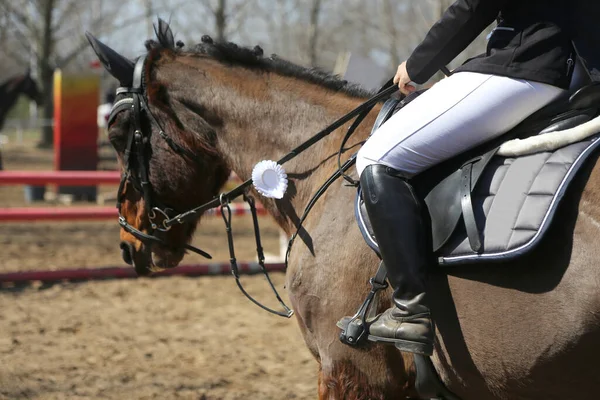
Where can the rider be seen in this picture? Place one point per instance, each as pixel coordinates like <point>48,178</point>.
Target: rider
<point>528,63</point>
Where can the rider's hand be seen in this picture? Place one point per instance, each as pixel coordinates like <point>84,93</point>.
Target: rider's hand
<point>403,80</point>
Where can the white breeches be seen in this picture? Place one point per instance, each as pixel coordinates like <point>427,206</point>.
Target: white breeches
<point>455,115</point>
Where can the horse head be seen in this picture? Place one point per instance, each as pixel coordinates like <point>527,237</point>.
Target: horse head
<point>168,154</point>
<point>29,88</point>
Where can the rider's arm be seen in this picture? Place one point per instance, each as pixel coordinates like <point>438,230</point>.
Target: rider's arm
<point>460,25</point>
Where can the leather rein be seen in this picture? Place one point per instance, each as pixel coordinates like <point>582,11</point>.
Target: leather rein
<point>162,217</point>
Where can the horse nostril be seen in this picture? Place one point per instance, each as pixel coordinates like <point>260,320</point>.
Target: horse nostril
<point>126,252</point>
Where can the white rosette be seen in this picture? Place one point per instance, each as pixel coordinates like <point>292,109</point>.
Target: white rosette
<point>269,179</point>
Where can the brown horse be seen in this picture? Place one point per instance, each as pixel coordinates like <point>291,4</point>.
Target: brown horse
<point>522,330</point>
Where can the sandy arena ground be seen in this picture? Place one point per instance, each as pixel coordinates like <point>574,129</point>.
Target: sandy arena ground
<point>166,338</point>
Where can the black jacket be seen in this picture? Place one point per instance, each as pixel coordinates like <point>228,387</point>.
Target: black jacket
<point>534,42</point>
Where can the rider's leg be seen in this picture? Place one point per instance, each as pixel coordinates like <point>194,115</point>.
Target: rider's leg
<point>395,213</point>
<point>455,115</point>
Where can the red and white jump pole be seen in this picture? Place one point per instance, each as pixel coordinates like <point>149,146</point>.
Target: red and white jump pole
<point>90,213</point>
<point>67,178</point>
<point>74,178</point>
<point>128,272</point>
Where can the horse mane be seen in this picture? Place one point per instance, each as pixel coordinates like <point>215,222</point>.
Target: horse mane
<point>232,54</point>
<point>11,82</point>
<point>253,58</point>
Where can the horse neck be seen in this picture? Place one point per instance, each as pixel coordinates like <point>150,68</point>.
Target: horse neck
<point>265,115</point>
<point>9,93</point>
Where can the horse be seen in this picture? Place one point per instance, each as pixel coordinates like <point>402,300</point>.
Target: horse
<point>10,91</point>
<point>524,329</point>
<point>12,88</point>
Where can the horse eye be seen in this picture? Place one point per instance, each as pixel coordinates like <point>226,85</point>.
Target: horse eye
<point>118,142</point>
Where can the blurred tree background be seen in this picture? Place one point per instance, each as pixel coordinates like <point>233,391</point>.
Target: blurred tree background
<point>48,34</point>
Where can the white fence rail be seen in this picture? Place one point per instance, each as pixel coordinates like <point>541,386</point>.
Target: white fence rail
<point>14,129</point>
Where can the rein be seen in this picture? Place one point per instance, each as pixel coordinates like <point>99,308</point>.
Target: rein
<point>240,189</point>
<point>138,103</point>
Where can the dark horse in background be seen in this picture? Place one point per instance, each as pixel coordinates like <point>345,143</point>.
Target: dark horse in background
<point>528,329</point>
<point>10,91</point>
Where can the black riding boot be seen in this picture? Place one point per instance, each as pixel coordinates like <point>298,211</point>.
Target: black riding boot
<point>395,215</point>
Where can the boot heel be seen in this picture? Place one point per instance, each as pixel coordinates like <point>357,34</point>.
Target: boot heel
<point>425,349</point>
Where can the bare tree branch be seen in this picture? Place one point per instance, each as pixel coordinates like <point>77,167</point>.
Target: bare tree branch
<point>21,17</point>
<point>313,31</point>
<point>66,12</point>
<point>390,24</point>
<point>83,43</point>
<point>207,6</point>
<point>13,53</point>
<point>220,19</point>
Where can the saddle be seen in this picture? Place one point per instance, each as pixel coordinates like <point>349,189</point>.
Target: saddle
<point>485,207</point>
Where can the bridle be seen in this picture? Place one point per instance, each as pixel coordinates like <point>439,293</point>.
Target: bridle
<point>138,143</point>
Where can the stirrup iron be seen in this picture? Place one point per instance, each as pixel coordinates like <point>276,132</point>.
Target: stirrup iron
<point>354,330</point>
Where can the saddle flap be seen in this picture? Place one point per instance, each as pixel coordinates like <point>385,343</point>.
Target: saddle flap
<point>445,201</point>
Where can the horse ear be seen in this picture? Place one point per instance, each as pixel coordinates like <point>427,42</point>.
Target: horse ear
<point>117,65</point>
<point>164,34</point>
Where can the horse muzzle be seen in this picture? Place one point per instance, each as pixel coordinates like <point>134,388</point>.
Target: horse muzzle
<point>141,260</point>
<point>164,258</point>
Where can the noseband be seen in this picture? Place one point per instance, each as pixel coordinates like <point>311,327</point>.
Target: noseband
<point>138,142</point>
